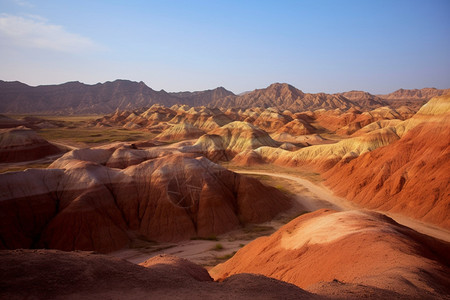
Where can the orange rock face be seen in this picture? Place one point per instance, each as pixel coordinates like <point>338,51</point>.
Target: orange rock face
<point>410,176</point>
<point>89,206</point>
<point>351,247</point>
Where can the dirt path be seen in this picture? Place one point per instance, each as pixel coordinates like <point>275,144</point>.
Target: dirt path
<point>322,197</point>
<point>319,196</point>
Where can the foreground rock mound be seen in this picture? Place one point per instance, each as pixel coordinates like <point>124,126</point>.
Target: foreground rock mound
<point>23,144</point>
<point>82,204</point>
<point>52,274</point>
<point>352,247</point>
<point>178,265</point>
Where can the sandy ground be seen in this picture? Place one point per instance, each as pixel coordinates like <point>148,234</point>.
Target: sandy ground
<point>209,253</point>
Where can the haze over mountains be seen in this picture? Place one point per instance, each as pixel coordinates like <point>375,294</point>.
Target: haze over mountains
<point>79,98</point>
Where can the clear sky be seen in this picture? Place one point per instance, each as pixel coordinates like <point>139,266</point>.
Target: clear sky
<point>317,46</point>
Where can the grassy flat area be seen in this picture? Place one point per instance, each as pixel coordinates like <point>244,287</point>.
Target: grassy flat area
<point>93,136</point>
<point>73,130</point>
<point>21,167</point>
<point>62,118</point>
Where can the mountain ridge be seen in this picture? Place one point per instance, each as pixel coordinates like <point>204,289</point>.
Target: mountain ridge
<point>75,97</point>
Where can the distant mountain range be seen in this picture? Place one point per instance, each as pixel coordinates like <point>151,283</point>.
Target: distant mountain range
<point>79,98</point>
<point>103,98</point>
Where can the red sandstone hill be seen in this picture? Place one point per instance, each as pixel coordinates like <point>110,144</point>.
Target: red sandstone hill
<point>79,203</point>
<point>410,176</point>
<point>351,247</point>
<point>23,144</point>
<point>52,274</point>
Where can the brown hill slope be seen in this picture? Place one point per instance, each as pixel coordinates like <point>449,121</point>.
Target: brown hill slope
<point>78,203</point>
<point>410,176</point>
<point>351,247</point>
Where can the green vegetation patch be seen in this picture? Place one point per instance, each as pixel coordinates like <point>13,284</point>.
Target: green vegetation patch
<point>94,135</point>
<point>217,247</point>
<point>208,238</point>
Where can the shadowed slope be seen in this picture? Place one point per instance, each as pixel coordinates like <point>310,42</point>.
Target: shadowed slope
<point>89,206</point>
<point>51,274</point>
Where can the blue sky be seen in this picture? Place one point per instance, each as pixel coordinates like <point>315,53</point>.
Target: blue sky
<point>317,46</point>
